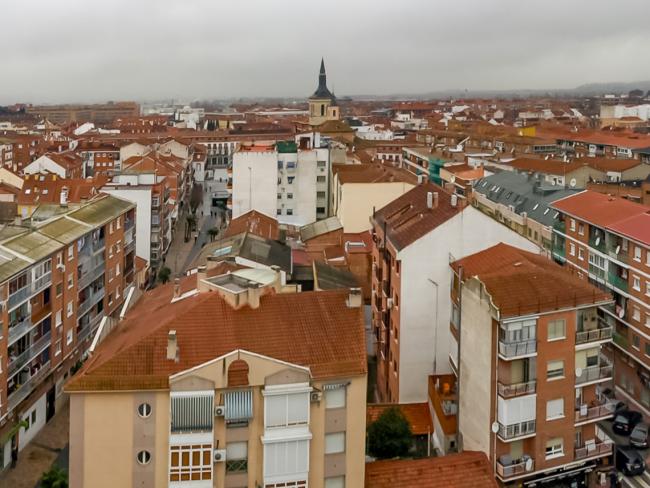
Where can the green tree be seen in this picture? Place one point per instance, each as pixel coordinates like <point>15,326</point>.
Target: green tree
<point>55,478</point>
<point>164,274</point>
<point>390,435</point>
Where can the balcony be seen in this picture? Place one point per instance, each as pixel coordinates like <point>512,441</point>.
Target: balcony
<point>621,340</point>
<point>617,282</point>
<point>20,328</point>
<point>509,432</point>
<point>92,299</point>
<point>594,449</point>
<point>19,296</point>
<point>516,389</point>
<point>99,244</point>
<point>559,251</point>
<point>30,353</point>
<point>597,242</point>
<point>26,388</point>
<point>511,350</point>
<point>560,226</point>
<point>516,468</point>
<point>600,372</point>
<point>602,333</point>
<point>597,272</point>
<point>617,253</point>
<point>585,413</point>
<point>42,283</point>
<point>89,276</point>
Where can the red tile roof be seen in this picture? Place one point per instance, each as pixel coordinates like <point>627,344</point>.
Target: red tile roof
<point>372,173</point>
<point>417,415</point>
<point>256,223</point>
<point>598,208</point>
<point>521,282</point>
<point>636,228</point>
<point>468,469</point>
<point>407,218</point>
<point>313,329</point>
<point>557,167</point>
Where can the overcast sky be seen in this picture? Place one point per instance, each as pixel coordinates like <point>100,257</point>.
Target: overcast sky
<point>94,50</point>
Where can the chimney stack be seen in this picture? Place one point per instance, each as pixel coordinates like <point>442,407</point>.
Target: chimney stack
<point>172,346</point>
<point>454,200</point>
<point>253,293</point>
<point>355,299</point>
<point>201,274</point>
<point>429,200</point>
<point>64,196</point>
<point>177,287</point>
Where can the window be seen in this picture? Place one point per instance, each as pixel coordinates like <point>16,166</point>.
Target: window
<point>59,289</point>
<point>278,212</point>
<point>554,369</point>
<point>335,443</point>
<point>647,348</point>
<point>110,228</point>
<point>555,409</point>
<point>556,329</point>
<point>290,196</point>
<point>117,269</point>
<point>335,482</point>
<point>68,338</point>
<point>59,259</point>
<point>636,342</point>
<point>190,463</point>
<point>59,320</point>
<point>320,194</point>
<point>70,280</point>
<point>636,314</point>
<point>581,254</point>
<point>581,229</point>
<point>554,448</point>
<point>647,288</point>
<point>279,196</point>
<point>118,223</point>
<point>57,347</point>
<point>144,410</point>
<point>285,410</point>
<point>572,249</point>
<point>70,253</point>
<point>236,457</point>
<point>320,179</point>
<point>144,457</point>
<point>290,179</point>
<point>636,283</point>
<point>110,274</point>
<point>70,309</point>
<point>572,224</point>
<point>117,292</point>
<point>320,210</point>
<point>637,253</point>
<point>335,397</point>
<point>289,211</point>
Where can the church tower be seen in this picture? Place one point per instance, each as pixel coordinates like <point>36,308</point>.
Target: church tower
<point>322,104</point>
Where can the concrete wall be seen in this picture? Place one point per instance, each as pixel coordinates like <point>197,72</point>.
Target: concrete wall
<point>428,259</point>
<point>142,198</point>
<point>264,175</point>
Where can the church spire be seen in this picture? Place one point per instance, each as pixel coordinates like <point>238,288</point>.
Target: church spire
<point>322,77</point>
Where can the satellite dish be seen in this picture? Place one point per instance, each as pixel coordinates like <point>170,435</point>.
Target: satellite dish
<point>578,372</point>
<point>495,427</point>
<point>573,183</point>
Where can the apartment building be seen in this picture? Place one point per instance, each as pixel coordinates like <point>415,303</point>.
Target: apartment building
<point>528,336</point>
<point>100,158</point>
<point>606,240</point>
<point>6,153</point>
<point>288,179</point>
<point>63,164</point>
<point>220,401</point>
<point>58,281</point>
<point>100,113</point>
<point>151,195</point>
<point>415,237</point>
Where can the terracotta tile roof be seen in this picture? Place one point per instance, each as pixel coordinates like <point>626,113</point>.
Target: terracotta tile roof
<point>521,283</point>
<point>407,218</point>
<point>636,228</point>
<point>557,167</point>
<point>47,188</point>
<point>372,173</point>
<point>468,469</point>
<point>256,223</point>
<point>352,242</point>
<point>599,209</point>
<point>417,414</point>
<point>325,335</point>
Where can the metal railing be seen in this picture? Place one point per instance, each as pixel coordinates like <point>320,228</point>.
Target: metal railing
<point>515,469</point>
<point>26,388</point>
<point>598,449</point>
<point>20,328</point>
<point>617,281</point>
<point>99,244</point>
<point>595,373</point>
<point>90,276</point>
<point>45,281</point>
<point>585,412</point>
<point>30,353</point>
<point>594,335</point>
<point>516,389</point>
<point>560,225</point>
<point>516,430</point>
<point>19,296</point>
<point>514,349</point>
<point>92,299</point>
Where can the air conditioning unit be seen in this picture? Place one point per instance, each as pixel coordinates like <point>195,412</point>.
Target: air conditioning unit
<point>60,267</point>
<point>315,396</point>
<point>219,411</point>
<point>219,455</point>
<point>389,303</point>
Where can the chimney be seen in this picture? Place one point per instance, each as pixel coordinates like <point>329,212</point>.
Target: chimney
<point>435,199</point>
<point>201,274</point>
<point>172,346</point>
<point>253,295</point>
<point>429,200</point>
<point>454,200</point>
<point>64,196</point>
<point>355,298</point>
<point>177,287</point>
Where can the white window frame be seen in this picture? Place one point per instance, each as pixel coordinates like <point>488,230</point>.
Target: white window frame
<point>335,442</point>
<point>554,323</point>
<point>556,448</point>
<point>555,409</point>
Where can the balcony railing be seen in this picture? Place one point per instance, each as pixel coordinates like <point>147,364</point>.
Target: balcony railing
<point>26,388</point>
<point>559,250</point>
<point>617,281</point>
<point>87,278</point>
<point>598,449</point>
<point>21,327</point>
<point>597,242</point>
<point>30,353</point>
<point>595,373</point>
<point>99,244</point>
<point>19,296</point>
<point>594,335</point>
<point>512,431</point>
<point>620,256</point>
<point>598,272</point>
<point>621,340</point>
<point>517,389</point>
<point>92,299</point>
<point>585,412</point>
<point>560,225</point>
<point>514,349</point>
<point>516,468</point>
<point>41,283</point>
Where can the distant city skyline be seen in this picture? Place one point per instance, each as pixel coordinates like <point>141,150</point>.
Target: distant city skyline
<point>75,51</point>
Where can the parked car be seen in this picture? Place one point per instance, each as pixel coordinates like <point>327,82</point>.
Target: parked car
<point>629,461</point>
<point>639,436</point>
<point>625,421</point>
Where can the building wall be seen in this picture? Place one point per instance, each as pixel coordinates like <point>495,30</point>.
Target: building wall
<point>428,259</point>
<point>264,174</point>
<point>142,199</point>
